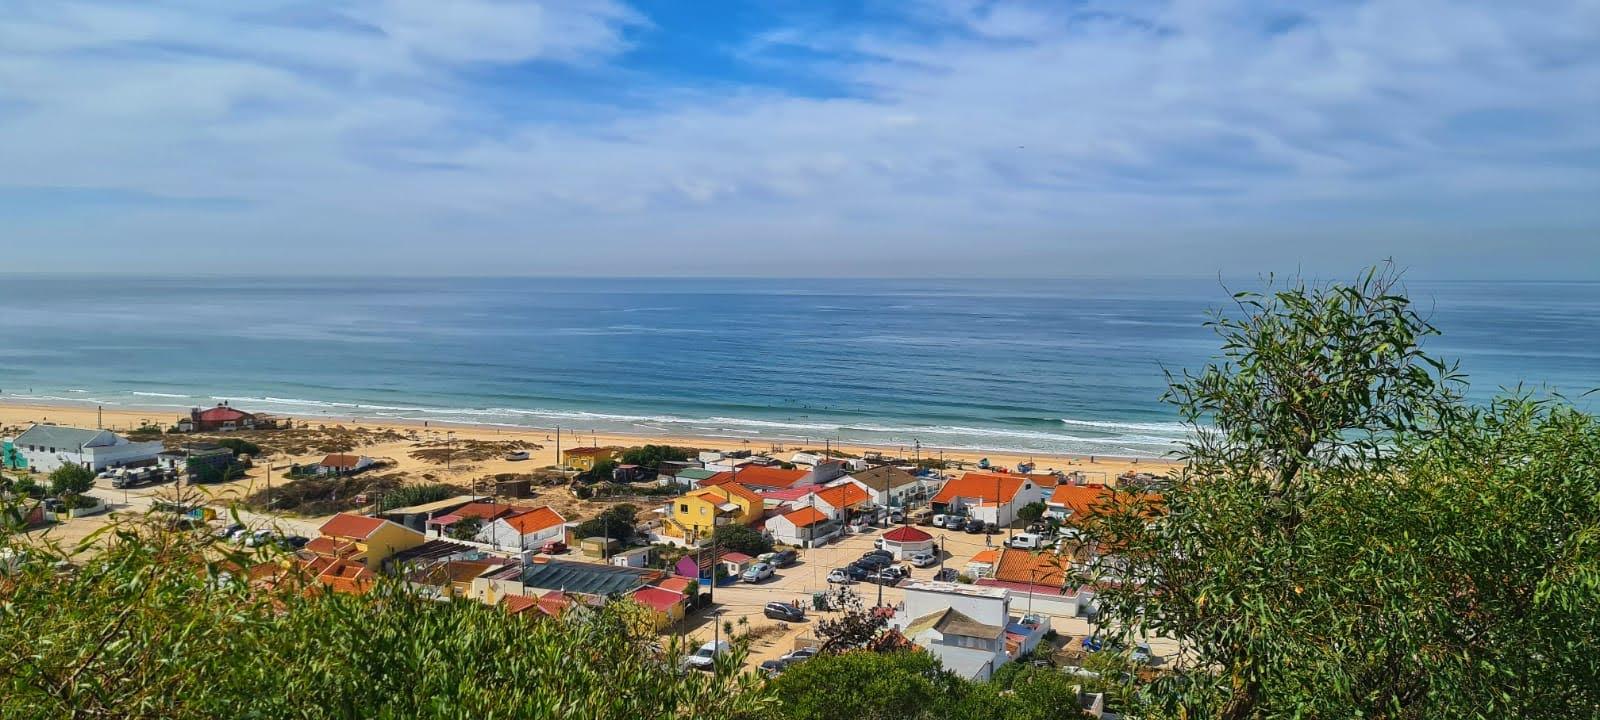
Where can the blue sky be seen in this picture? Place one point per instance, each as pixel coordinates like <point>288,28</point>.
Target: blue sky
<point>937,137</point>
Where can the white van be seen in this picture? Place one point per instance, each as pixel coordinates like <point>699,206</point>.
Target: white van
<point>1026,541</point>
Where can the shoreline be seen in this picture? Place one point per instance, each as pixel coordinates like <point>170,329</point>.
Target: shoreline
<point>123,417</point>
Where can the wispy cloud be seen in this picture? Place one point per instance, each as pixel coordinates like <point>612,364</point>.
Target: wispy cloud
<point>958,135</point>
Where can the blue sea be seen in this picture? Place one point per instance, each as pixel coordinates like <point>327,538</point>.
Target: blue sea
<point>1021,365</point>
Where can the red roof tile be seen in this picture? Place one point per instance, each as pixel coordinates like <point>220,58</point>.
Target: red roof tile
<point>1021,566</point>
<point>535,520</point>
<point>843,496</point>
<point>330,546</point>
<point>341,461</point>
<point>660,599</point>
<point>485,511</point>
<point>347,525</point>
<point>805,517</point>
<point>517,604</point>
<point>675,584</point>
<point>905,534</point>
<point>980,486</point>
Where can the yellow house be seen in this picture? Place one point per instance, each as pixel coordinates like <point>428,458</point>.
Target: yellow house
<point>584,458</point>
<point>365,540</point>
<point>698,513</point>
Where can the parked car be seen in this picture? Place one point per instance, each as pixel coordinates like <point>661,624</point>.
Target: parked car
<point>705,657</point>
<point>923,559</point>
<point>784,611</point>
<point>757,572</point>
<point>940,520</point>
<point>1026,541</point>
<point>516,455</point>
<point>554,547</point>
<point>780,559</point>
<point>259,538</point>
<point>1141,654</point>
<point>1091,644</point>
<point>974,526</point>
<point>848,574</point>
<point>888,576</point>
<point>880,552</point>
<point>778,665</point>
<point>773,667</point>
<point>227,531</point>
<point>946,575</point>
<point>293,542</point>
<point>874,562</point>
<point>897,516</point>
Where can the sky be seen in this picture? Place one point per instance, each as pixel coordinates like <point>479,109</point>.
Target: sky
<point>896,138</point>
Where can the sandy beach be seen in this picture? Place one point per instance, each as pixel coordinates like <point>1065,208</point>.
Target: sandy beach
<point>396,441</point>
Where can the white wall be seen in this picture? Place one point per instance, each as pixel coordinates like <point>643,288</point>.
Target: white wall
<point>96,458</point>
<point>987,610</point>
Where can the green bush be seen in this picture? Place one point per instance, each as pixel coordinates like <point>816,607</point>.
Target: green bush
<point>651,456</point>
<point>71,479</point>
<point>240,446</point>
<point>409,495</point>
<point>742,538</point>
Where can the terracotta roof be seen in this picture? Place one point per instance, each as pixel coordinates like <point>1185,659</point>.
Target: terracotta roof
<point>1079,498</point>
<point>843,496</point>
<point>341,461</point>
<point>347,577</point>
<point>980,486</point>
<point>222,413</point>
<point>767,476</point>
<point>986,556</point>
<point>660,599</point>
<point>552,603</point>
<point>329,546</point>
<point>347,525</point>
<point>517,604</point>
<point>805,517</point>
<point>484,511</point>
<point>905,534</point>
<point>737,557</point>
<point>727,491</point>
<point>535,520</point>
<point>467,570</point>
<point>1021,566</point>
<point>675,584</point>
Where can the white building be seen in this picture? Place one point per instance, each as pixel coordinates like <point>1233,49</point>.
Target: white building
<point>969,628</point>
<point>524,531</point>
<point>891,486</point>
<point>47,447</point>
<point>803,527</point>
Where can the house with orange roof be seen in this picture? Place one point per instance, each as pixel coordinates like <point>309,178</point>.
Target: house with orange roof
<point>374,539</point>
<point>763,477</point>
<point>983,563</point>
<point>1044,578</point>
<point>1067,502</point>
<point>841,501</point>
<point>345,576</point>
<point>803,527</point>
<point>691,518</point>
<point>990,497</point>
<point>526,530</point>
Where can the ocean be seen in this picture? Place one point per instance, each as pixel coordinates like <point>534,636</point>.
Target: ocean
<point>1049,366</point>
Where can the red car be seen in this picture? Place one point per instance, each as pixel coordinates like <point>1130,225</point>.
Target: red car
<point>554,547</point>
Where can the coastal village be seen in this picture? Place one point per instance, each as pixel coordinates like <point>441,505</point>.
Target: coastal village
<point>974,562</point>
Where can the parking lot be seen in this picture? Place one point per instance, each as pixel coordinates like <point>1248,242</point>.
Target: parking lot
<point>796,583</point>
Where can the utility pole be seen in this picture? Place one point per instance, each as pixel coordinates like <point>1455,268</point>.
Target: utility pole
<point>558,452</point>
<point>450,449</point>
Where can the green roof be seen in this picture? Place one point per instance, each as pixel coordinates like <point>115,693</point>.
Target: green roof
<point>588,578</point>
<point>696,473</point>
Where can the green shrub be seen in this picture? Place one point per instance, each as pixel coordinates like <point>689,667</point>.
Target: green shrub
<point>71,479</point>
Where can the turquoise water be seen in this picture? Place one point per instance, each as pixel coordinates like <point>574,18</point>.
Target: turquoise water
<point>1043,366</point>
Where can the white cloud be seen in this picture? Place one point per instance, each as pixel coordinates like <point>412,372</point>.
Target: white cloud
<point>999,138</point>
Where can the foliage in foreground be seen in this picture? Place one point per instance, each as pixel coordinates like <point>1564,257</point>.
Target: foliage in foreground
<point>1350,539</point>
<point>148,628</point>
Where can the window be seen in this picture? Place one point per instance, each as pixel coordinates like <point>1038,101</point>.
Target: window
<point>683,507</point>
<point>702,509</point>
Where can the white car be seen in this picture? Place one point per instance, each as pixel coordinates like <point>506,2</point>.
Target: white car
<point>1026,541</point>
<point>259,538</point>
<point>706,656</point>
<point>923,559</point>
<point>757,572</point>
